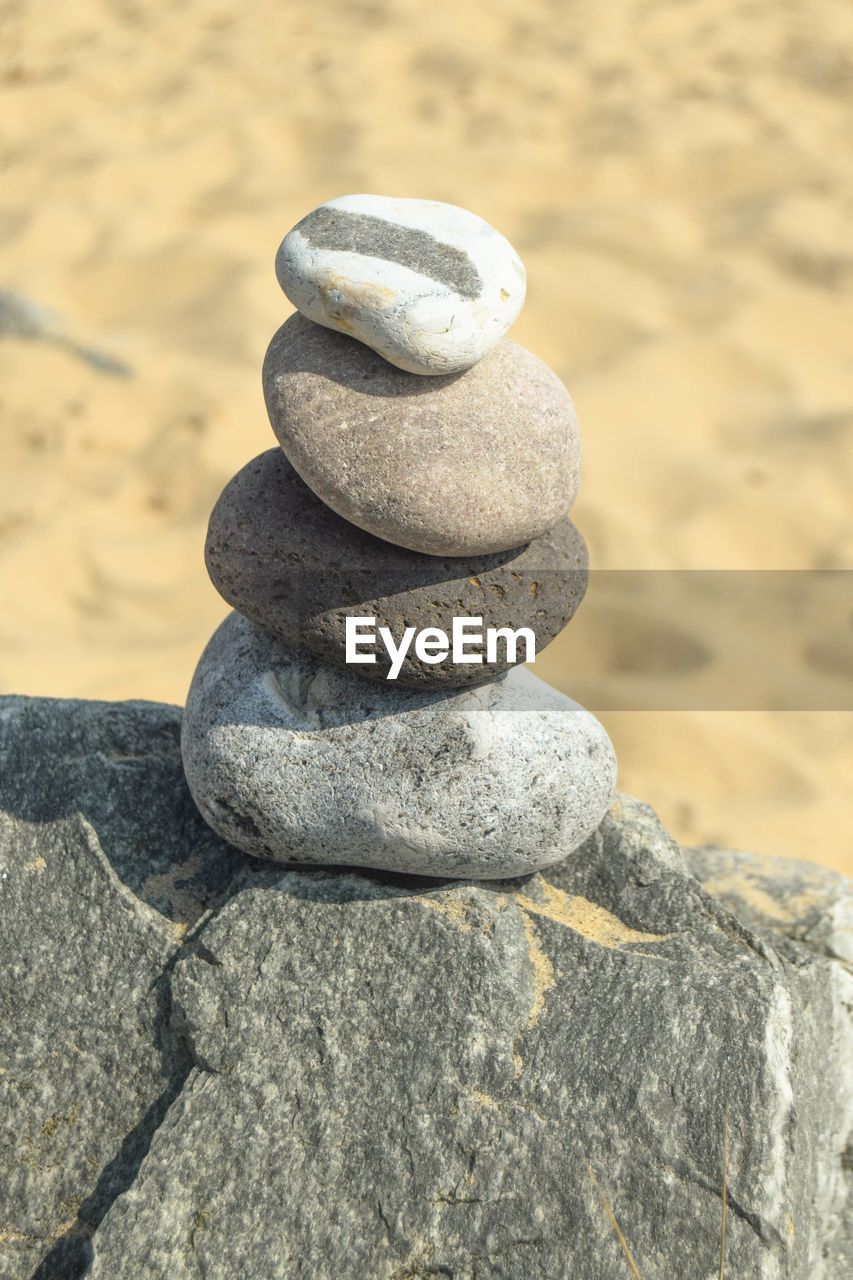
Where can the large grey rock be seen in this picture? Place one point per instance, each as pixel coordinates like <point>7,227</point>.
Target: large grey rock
<point>428,285</point>
<point>295,760</point>
<point>345,1074</point>
<point>453,466</point>
<point>797,900</point>
<point>798,906</point>
<point>284,559</point>
<point>417,1080</point>
<point>105,866</point>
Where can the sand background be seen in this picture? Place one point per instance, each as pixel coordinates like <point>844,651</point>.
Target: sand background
<point>679,180</point>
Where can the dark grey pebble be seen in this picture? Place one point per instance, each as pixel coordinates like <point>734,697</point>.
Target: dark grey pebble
<point>285,560</point>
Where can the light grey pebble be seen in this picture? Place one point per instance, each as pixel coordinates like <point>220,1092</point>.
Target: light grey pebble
<point>465,465</point>
<point>292,759</point>
<point>428,285</point>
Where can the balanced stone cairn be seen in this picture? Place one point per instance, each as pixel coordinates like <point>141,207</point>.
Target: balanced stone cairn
<point>391,564</point>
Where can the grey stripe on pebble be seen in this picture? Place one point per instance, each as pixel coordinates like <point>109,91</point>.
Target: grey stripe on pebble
<point>337,229</point>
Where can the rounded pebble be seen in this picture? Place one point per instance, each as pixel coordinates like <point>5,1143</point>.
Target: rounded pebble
<point>294,760</point>
<point>284,559</point>
<point>428,285</point>
<point>465,465</point>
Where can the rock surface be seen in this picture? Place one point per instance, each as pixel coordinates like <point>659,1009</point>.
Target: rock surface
<point>105,864</point>
<point>463,465</point>
<point>803,909</point>
<point>375,1075</point>
<point>428,285</point>
<point>798,900</point>
<point>298,761</point>
<point>284,559</point>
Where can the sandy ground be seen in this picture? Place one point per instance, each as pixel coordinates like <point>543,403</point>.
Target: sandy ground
<point>679,180</point>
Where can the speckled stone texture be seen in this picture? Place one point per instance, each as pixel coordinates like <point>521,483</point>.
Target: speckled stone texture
<point>428,285</point>
<point>463,465</point>
<point>805,913</point>
<point>413,1079</point>
<point>292,759</point>
<point>284,559</point>
<point>105,864</point>
<point>225,1069</point>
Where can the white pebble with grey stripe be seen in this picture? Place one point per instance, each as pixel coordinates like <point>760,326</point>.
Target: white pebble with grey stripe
<point>429,286</point>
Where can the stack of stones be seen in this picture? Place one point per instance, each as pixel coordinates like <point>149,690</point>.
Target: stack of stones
<point>364,705</point>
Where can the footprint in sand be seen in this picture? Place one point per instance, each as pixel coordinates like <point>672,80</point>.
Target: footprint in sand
<point>632,644</point>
